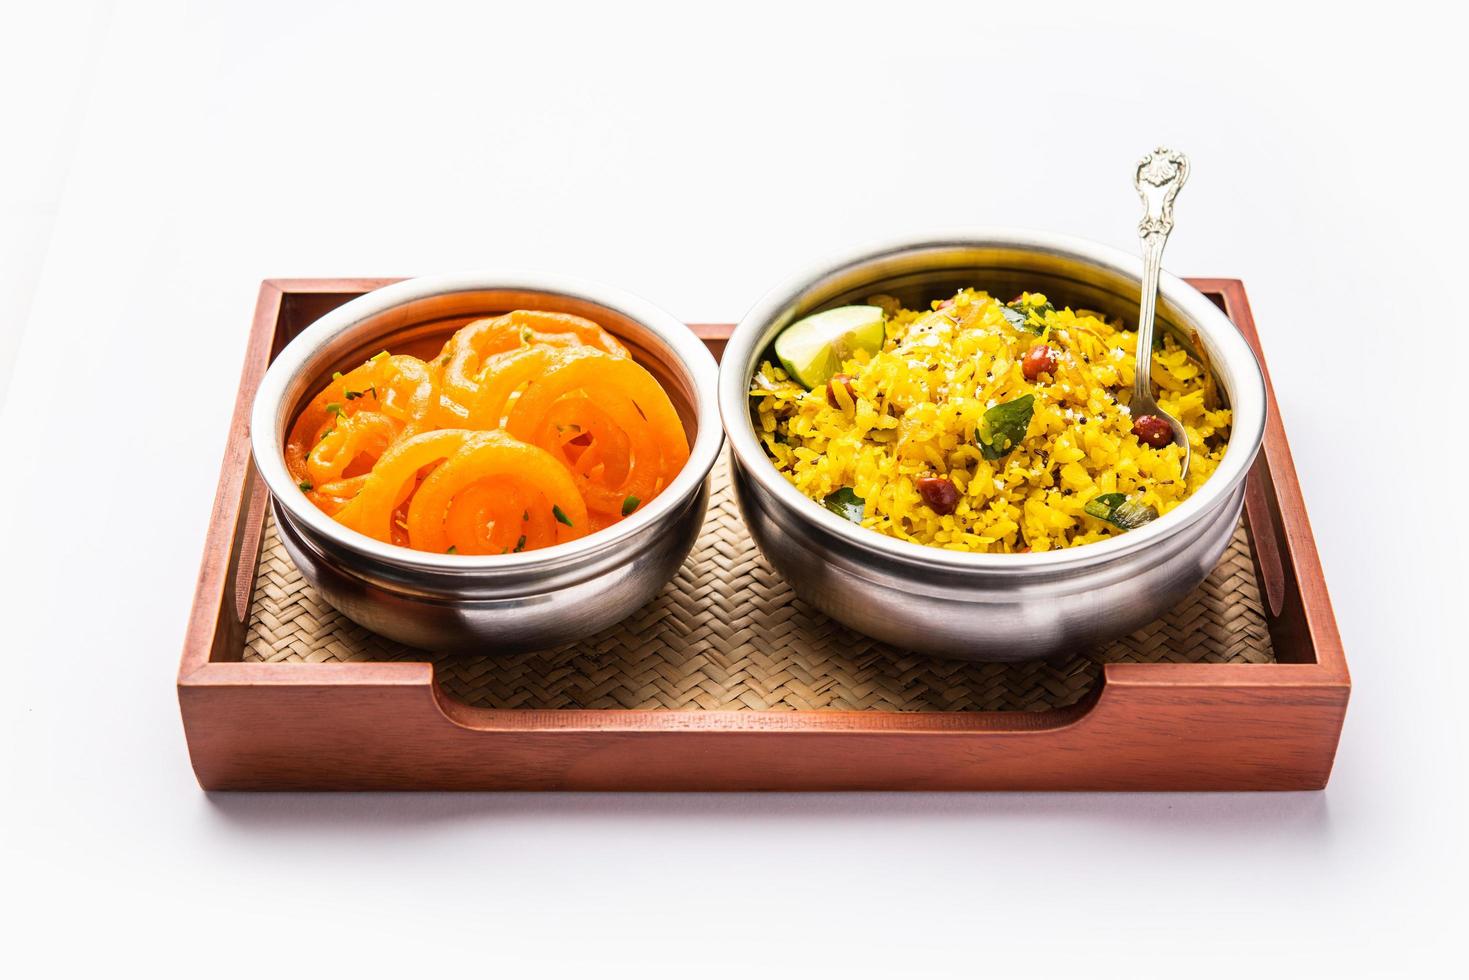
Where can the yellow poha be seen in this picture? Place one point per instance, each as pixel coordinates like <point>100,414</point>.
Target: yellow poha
<point>914,415</point>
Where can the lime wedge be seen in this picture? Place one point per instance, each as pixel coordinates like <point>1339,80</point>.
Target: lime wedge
<point>813,349</point>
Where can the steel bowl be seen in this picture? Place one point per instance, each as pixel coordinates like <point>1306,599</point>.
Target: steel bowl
<point>983,606</point>
<point>496,603</point>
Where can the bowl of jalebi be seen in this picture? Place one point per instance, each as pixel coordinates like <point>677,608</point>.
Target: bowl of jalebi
<point>487,462</point>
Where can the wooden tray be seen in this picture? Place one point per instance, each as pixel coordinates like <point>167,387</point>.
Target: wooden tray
<point>390,725</point>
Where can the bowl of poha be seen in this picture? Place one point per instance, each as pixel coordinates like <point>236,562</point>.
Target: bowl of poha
<point>931,440</point>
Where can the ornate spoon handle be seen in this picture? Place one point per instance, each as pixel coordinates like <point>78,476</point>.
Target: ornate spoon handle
<point>1159,178</point>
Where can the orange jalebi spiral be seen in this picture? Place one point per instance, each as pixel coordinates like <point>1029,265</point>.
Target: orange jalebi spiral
<point>345,429</point>
<point>527,430</point>
<point>637,441</point>
<point>536,504</point>
<point>465,357</point>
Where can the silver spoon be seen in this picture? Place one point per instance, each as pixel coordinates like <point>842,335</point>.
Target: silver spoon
<point>1159,178</point>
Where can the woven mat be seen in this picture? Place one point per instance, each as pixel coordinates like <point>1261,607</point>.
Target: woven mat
<point>728,634</point>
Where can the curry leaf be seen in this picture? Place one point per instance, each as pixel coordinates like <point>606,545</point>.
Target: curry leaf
<point>1120,511</point>
<point>1027,316</point>
<point>1015,318</point>
<point>1133,513</point>
<point>1004,426</point>
<point>1031,306</point>
<point>845,504</point>
<point>1102,507</point>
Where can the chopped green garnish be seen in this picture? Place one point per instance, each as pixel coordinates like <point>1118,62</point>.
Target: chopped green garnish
<point>1120,511</point>
<point>520,545</point>
<point>358,394</point>
<point>451,550</point>
<point>378,356</point>
<point>629,505</point>
<point>557,513</point>
<point>306,486</point>
<point>334,407</point>
<point>336,375</point>
<point>525,516</point>
<point>845,504</point>
<point>1004,426</point>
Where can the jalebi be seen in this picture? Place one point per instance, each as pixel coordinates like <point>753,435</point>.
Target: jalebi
<point>527,430</point>
<point>462,362</point>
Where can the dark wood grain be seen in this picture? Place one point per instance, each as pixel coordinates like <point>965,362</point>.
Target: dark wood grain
<point>388,725</point>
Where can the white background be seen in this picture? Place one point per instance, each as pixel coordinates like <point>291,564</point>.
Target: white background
<point>158,160</point>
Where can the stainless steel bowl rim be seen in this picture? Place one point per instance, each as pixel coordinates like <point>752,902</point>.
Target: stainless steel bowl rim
<point>1229,352</point>
<point>267,428</point>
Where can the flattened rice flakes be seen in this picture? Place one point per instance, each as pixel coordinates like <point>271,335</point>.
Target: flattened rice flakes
<point>919,412</point>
